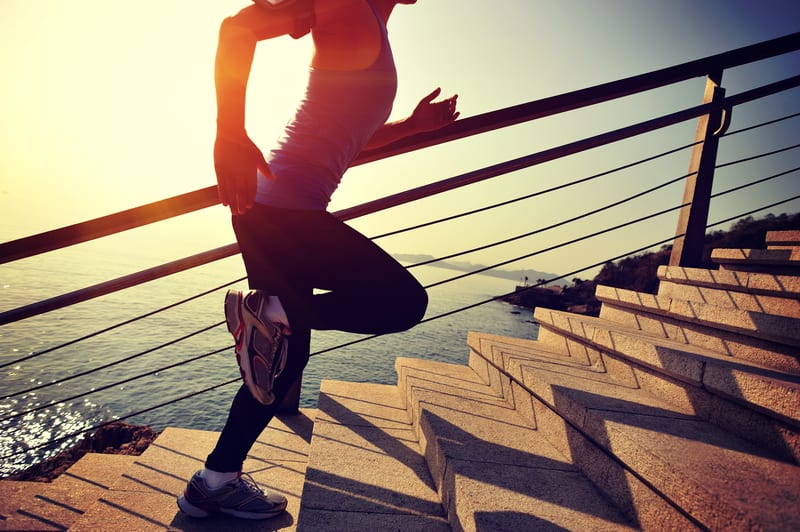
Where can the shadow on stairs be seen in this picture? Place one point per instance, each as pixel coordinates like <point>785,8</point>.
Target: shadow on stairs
<point>679,410</point>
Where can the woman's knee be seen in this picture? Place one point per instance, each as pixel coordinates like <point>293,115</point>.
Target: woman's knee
<point>411,307</point>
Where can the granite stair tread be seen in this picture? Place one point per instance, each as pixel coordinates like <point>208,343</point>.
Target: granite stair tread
<point>772,284</point>
<point>781,239</point>
<point>143,496</point>
<point>365,470</point>
<point>785,302</point>
<point>771,391</point>
<point>784,260</point>
<point>493,468</point>
<point>776,328</point>
<point>691,462</point>
<point>727,343</point>
<point>59,504</point>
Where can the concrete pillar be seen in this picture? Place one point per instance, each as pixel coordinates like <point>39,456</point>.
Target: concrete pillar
<point>687,250</point>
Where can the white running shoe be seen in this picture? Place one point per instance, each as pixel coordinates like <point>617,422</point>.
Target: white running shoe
<point>261,345</point>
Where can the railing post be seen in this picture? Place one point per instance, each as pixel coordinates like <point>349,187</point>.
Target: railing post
<point>687,250</point>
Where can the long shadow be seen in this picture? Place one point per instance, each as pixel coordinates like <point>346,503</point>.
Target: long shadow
<point>367,430</point>
<point>41,519</point>
<point>551,481</point>
<point>530,476</point>
<point>349,495</point>
<point>520,521</point>
<point>707,401</point>
<point>654,419</point>
<point>300,424</point>
<point>769,435</point>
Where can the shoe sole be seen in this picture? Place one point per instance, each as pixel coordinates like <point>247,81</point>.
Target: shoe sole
<point>195,511</point>
<point>257,371</point>
<point>248,515</point>
<point>190,509</point>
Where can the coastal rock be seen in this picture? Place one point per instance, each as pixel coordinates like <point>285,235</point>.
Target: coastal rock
<point>115,438</point>
<point>578,299</point>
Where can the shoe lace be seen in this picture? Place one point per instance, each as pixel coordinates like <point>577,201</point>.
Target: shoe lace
<point>250,483</point>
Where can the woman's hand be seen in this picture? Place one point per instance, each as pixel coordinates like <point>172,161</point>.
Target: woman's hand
<point>236,161</point>
<point>429,115</point>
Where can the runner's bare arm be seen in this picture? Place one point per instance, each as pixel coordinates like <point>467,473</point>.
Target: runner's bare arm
<point>427,116</point>
<point>236,157</point>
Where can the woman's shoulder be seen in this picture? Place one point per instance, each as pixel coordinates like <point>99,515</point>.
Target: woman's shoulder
<point>339,12</point>
<point>347,35</point>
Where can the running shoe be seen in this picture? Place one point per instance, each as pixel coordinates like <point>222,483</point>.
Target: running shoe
<point>261,345</point>
<point>240,497</point>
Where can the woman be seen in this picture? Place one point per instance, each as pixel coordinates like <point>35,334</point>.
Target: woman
<point>290,244</point>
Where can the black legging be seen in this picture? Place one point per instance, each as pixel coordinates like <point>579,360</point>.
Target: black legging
<point>289,253</point>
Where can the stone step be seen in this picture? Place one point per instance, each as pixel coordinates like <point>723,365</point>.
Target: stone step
<point>779,329</point>
<point>652,315</point>
<point>143,497</point>
<point>365,470</point>
<point>758,292</point>
<point>782,239</point>
<point>59,504</point>
<point>638,501</point>
<point>770,391</point>
<point>726,392</point>
<point>493,468</point>
<point>785,261</point>
<point>639,448</point>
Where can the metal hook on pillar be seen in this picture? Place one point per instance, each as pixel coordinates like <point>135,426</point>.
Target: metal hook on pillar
<point>725,123</point>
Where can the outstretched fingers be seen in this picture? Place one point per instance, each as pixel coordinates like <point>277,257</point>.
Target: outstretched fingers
<point>432,96</point>
<point>430,115</point>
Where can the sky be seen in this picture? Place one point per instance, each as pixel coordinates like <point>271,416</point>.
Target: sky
<point>107,105</point>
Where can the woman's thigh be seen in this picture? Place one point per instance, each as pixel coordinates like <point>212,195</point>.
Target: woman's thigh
<point>290,253</point>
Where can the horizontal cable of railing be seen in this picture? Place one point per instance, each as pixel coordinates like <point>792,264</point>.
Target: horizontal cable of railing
<point>762,124</point>
<point>154,212</point>
<point>466,252</point>
<point>452,279</point>
<point>120,324</point>
<point>582,180</point>
<point>434,260</point>
<point>80,432</point>
<point>120,283</point>
<point>97,389</point>
<point>370,207</point>
<point>532,195</point>
<point>192,201</point>
<point>401,198</point>
<point>104,367</point>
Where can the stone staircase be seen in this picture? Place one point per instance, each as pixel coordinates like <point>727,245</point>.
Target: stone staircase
<point>674,411</point>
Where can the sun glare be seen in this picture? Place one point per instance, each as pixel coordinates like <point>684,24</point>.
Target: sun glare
<point>106,106</point>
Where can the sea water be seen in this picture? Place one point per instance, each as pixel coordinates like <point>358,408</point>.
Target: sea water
<point>137,353</point>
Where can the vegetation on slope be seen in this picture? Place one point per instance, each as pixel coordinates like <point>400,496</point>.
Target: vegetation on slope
<point>638,272</point>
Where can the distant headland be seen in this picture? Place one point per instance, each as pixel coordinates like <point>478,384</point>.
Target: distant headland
<point>519,276</point>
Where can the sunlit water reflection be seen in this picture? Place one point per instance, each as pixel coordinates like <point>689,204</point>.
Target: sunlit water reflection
<point>368,361</point>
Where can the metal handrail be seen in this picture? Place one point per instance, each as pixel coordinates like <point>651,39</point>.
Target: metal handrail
<point>185,203</point>
<point>207,197</point>
<point>128,217</point>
